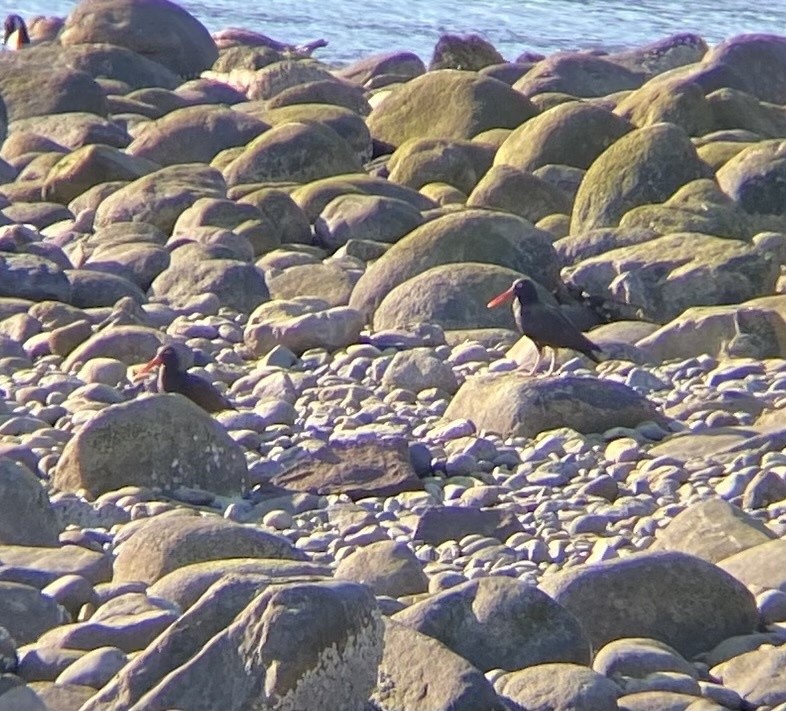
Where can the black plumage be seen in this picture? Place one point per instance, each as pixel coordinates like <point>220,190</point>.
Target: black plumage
<point>15,34</point>
<point>543,323</point>
<point>173,378</point>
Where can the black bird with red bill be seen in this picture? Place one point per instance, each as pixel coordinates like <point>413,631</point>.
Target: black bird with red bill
<point>542,323</point>
<point>173,378</point>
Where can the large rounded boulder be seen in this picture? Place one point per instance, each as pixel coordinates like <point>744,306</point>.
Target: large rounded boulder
<point>500,623</point>
<point>467,236</point>
<point>451,295</point>
<point>643,167</point>
<point>756,177</point>
<point>757,61</point>
<point>158,198</point>
<point>574,133</point>
<point>293,152</point>
<point>26,518</point>
<point>448,104</point>
<point>666,275</point>
<point>157,29</point>
<point>164,440</point>
<point>194,134</point>
<point>578,74</point>
<point>91,165</point>
<point>161,546</point>
<point>524,407</point>
<point>678,599</point>
<point>30,89</point>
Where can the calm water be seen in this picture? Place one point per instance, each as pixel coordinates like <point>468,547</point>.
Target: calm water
<point>354,29</point>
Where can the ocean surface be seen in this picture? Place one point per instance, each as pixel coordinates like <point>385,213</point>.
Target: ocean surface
<point>355,29</point>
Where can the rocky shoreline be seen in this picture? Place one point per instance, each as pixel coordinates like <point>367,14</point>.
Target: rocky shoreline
<point>395,516</point>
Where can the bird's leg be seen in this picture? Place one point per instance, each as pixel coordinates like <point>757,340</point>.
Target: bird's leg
<point>534,368</point>
<point>553,360</point>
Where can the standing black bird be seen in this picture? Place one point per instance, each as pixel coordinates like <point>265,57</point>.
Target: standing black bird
<point>15,32</point>
<point>173,379</point>
<point>545,325</point>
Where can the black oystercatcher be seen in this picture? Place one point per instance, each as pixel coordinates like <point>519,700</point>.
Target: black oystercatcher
<point>545,325</point>
<point>173,379</point>
<point>15,35</point>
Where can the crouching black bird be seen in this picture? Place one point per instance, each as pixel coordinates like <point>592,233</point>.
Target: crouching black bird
<point>172,378</point>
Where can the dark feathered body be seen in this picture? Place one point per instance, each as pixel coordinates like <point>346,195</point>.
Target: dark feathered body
<point>15,32</point>
<point>544,324</point>
<point>173,378</point>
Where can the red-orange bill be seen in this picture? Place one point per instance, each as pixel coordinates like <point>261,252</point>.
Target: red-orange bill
<point>500,299</point>
<point>147,367</point>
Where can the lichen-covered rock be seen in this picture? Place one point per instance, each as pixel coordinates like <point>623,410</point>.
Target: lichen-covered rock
<point>666,275</point>
<point>91,289</point>
<point>367,217</point>
<point>573,133</point>
<point>735,110</point>
<point>674,100</point>
<point>122,445</point>
<point>345,122</point>
<point>698,206</point>
<point>355,469</point>
<point>74,129</point>
<point>756,178</point>
<point>140,263</point>
<point>300,325</point>
<point>514,406</point>
<point>313,197</point>
<point>645,166</point>
<point>431,160</point>
<point>108,61</point>
<point>451,295</point>
<point>26,613</point>
<point>238,285</point>
<point>159,197</point>
<point>26,517</point>
<point>558,686</point>
<point>469,53</point>
<point>280,210</point>
<point>520,193</point>
<point>295,646</point>
<point>681,600</point>
<point>406,678</point>
<point>194,134</point>
<point>333,91</point>
<point>578,74</point>
<point>162,545</point>
<point>744,55</point>
<point>419,369</point>
<point>713,530</point>
<point>89,166</point>
<point>185,585</point>
<point>477,103</point>
<point>467,236</point>
<point>30,89</point>
<point>273,78</point>
<point>387,567</point>
<point>663,54</point>
<point>27,276</point>
<point>129,344</point>
<point>400,64</point>
<point>157,29</point>
<point>499,623</point>
<point>322,280</point>
<point>293,152</point>
<point>738,330</point>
